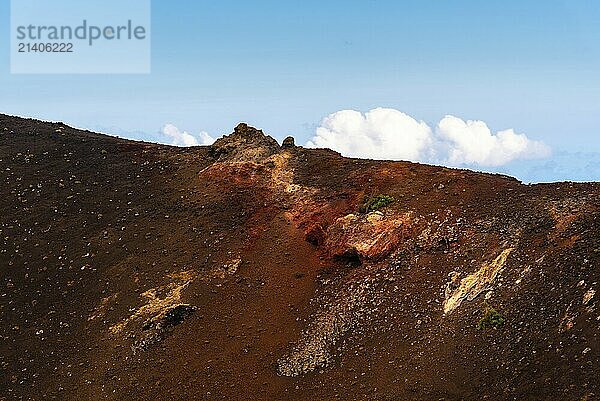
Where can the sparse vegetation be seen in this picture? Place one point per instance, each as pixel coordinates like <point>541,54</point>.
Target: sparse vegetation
<point>373,203</point>
<point>491,318</point>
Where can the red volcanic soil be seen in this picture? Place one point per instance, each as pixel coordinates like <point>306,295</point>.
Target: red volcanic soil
<point>245,271</point>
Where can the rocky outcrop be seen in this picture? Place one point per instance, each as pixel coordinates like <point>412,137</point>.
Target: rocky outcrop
<point>156,307</point>
<point>370,236</point>
<point>471,286</point>
<point>288,143</point>
<point>159,327</point>
<point>246,144</point>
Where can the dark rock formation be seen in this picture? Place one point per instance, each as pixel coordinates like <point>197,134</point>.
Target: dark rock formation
<point>156,329</point>
<point>244,144</point>
<point>288,143</point>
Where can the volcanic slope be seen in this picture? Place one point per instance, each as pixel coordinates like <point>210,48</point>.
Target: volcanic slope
<point>251,271</point>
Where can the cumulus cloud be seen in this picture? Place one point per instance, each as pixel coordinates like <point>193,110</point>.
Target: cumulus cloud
<point>390,134</point>
<point>472,142</point>
<point>184,138</point>
<point>377,134</point>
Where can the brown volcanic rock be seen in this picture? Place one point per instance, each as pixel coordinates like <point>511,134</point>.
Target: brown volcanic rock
<point>244,144</point>
<point>135,271</point>
<point>288,143</point>
<point>373,236</point>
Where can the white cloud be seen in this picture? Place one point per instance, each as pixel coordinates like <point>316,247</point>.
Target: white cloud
<point>390,134</point>
<point>378,134</point>
<point>472,142</point>
<point>184,138</point>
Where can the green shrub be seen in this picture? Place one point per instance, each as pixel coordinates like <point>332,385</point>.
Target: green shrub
<point>372,203</point>
<point>491,318</point>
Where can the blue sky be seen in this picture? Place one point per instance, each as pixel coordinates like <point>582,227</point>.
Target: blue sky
<point>285,65</point>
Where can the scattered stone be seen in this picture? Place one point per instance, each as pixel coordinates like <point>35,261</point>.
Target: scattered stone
<point>587,297</point>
